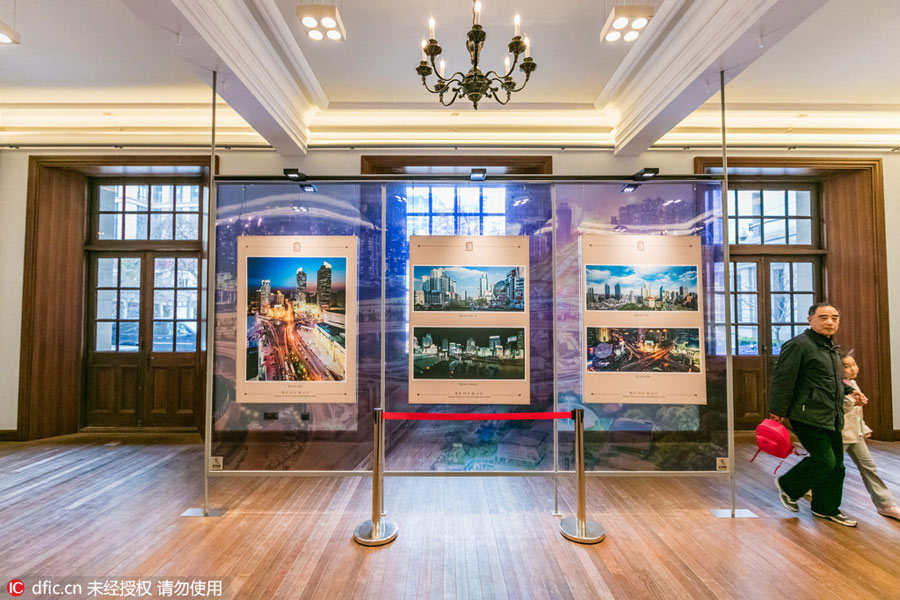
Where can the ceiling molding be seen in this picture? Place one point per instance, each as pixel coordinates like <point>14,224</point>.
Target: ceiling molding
<point>673,69</point>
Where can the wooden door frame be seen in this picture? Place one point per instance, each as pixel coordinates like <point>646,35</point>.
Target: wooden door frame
<point>871,169</point>
<point>31,400</point>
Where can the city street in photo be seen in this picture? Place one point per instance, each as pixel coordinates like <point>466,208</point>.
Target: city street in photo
<point>469,353</point>
<point>296,318</point>
<point>466,289</point>
<point>644,350</point>
<point>641,288</point>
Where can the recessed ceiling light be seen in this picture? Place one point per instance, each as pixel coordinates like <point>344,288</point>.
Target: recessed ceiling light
<point>315,34</point>
<point>626,18</point>
<point>620,23</point>
<point>639,23</point>
<point>309,22</point>
<point>329,23</point>
<point>613,36</point>
<point>631,36</point>
<point>323,18</point>
<point>333,34</point>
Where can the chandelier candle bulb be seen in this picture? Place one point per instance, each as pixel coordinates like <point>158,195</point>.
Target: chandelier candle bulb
<point>443,67</point>
<point>424,58</point>
<point>506,63</point>
<point>527,47</point>
<point>478,13</point>
<point>518,22</point>
<point>431,28</point>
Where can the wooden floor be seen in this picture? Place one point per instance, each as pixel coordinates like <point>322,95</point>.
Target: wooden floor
<point>84,505</point>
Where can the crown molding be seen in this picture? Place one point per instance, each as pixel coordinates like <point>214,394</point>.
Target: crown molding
<point>674,68</point>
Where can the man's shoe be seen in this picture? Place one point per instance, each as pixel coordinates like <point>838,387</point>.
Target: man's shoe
<point>789,503</point>
<point>891,512</point>
<point>840,519</point>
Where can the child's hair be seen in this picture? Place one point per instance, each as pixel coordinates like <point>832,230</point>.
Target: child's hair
<point>847,354</point>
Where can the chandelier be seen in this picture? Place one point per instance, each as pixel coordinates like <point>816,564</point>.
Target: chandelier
<point>475,85</point>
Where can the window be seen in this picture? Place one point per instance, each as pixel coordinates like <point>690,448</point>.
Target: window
<point>175,314</point>
<point>118,308</point>
<point>153,212</point>
<point>770,217</point>
<point>455,210</point>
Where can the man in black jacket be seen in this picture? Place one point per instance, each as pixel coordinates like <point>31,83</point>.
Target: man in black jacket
<point>808,389</point>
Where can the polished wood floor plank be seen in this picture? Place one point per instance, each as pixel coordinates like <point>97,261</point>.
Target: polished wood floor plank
<point>109,506</point>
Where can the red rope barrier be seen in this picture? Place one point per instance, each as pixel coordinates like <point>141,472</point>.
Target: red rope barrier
<point>521,416</point>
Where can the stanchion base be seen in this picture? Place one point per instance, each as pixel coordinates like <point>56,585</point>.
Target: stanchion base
<point>592,532</point>
<point>363,534</point>
<point>198,512</point>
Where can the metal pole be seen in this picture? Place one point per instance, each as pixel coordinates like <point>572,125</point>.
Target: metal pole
<point>554,221</point>
<point>579,528</point>
<point>377,531</point>
<point>210,301</point>
<point>729,376</point>
<point>383,399</point>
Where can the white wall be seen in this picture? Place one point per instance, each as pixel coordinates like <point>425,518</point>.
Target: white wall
<point>13,182</point>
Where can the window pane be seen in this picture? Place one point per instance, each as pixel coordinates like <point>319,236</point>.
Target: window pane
<point>469,226</point>
<point>106,337</point>
<point>494,199</point>
<point>773,231</point>
<point>442,199</point>
<point>719,341</point>
<point>780,277</point>
<point>494,226</point>
<point>128,336</point>
<point>164,272</point>
<point>417,225</point>
<point>185,336</point>
<point>746,277</point>
<point>111,197</point>
<point>187,198</point>
<point>469,199</point>
<point>442,226</point>
<point>746,309</point>
<point>106,304</point>
<point>136,227</point>
<point>417,199</point>
<point>110,226</point>
<point>799,231</point>
<point>131,272</point>
<point>164,304</point>
<point>186,305</point>
<point>160,227</point>
<point>748,203</point>
<point>773,203</point>
<point>136,198</point>
<point>798,202</point>
<point>186,227</point>
<point>107,272</point>
<point>748,341</point>
<point>803,277</point>
<point>780,334</point>
<point>802,302</point>
<point>781,308</point>
<point>130,304</point>
<point>163,336</point>
<point>719,308</point>
<point>187,272</point>
<point>732,235</point>
<point>719,276</point>
<point>161,198</point>
<point>749,231</point>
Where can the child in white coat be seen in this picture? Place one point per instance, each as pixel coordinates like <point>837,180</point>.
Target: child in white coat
<point>854,436</point>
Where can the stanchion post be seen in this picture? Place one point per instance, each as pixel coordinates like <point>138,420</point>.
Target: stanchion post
<point>579,528</point>
<point>376,531</point>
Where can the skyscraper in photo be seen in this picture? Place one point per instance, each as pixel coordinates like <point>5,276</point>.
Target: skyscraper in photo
<point>618,292</point>
<point>301,286</point>
<point>265,292</point>
<point>483,286</point>
<point>323,285</point>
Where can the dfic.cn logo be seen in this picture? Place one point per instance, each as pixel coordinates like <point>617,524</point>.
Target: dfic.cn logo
<point>16,587</point>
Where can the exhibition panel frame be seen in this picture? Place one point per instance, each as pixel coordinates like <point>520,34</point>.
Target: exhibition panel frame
<point>335,296</point>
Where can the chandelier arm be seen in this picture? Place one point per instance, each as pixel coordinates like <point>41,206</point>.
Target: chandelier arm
<point>497,98</point>
<point>452,100</point>
<point>445,83</point>
<point>522,87</point>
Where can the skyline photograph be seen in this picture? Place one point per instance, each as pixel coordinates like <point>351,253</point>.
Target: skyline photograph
<point>641,287</point>
<point>455,288</point>
<point>643,350</point>
<point>469,353</point>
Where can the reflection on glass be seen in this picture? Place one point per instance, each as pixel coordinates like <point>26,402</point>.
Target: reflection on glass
<point>799,231</point>
<point>110,197</point>
<point>128,336</point>
<point>494,226</point>
<point>442,199</point>
<point>187,272</point>
<point>494,200</point>
<point>749,231</point>
<point>720,308</point>
<point>798,202</point>
<point>106,337</point>
<point>164,272</point>
<point>417,199</point>
<point>748,341</point>
<point>110,226</point>
<point>748,203</point>
<point>163,304</point>
<point>107,272</point>
<point>185,336</point>
<point>161,198</point>
<point>802,302</point>
<point>469,199</point>
<point>160,227</point>
<point>781,308</point>
<point>136,198</point>
<point>780,274</point>
<point>186,304</point>
<point>803,277</point>
<point>732,235</point>
<point>131,272</point>
<point>773,231</point>
<point>106,304</point>
<point>186,227</point>
<point>136,227</point>
<point>130,304</point>
<point>417,225</point>
<point>442,226</point>
<point>163,336</point>
<point>469,226</point>
<point>746,277</point>
<point>187,198</point>
<point>773,203</point>
<point>747,309</point>
<point>780,334</point>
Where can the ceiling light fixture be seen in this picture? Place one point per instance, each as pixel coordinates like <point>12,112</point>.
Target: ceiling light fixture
<point>9,35</point>
<point>630,187</point>
<point>478,174</point>
<point>645,174</point>
<point>294,174</point>
<point>626,23</point>
<point>474,84</point>
<point>321,21</point>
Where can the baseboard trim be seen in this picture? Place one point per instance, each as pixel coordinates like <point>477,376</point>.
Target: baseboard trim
<point>12,435</point>
<point>896,435</point>
<point>131,430</point>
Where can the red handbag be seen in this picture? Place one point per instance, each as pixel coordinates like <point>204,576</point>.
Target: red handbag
<point>773,438</point>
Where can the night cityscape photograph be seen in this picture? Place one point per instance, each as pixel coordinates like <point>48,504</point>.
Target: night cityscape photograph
<point>644,287</point>
<point>468,353</point>
<point>296,319</point>
<point>459,288</point>
<point>634,349</point>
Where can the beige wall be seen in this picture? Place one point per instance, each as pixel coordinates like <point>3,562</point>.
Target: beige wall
<point>13,181</point>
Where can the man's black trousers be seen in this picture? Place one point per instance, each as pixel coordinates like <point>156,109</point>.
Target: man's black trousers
<point>822,471</point>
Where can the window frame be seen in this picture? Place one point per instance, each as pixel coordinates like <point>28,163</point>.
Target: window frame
<point>816,217</point>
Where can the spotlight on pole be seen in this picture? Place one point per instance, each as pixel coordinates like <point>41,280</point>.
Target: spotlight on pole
<point>478,175</point>
<point>295,175</point>
<point>645,174</point>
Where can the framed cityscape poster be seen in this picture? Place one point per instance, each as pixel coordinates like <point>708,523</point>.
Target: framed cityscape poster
<point>468,319</point>
<point>642,314</point>
<point>296,334</point>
